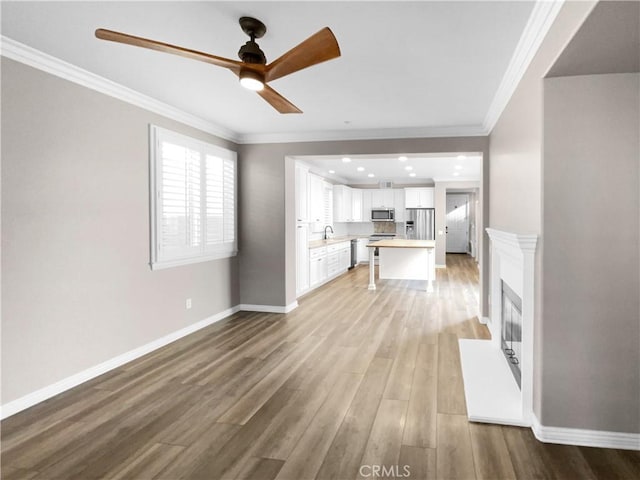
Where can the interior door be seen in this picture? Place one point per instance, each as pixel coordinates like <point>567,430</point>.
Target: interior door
<point>457,222</point>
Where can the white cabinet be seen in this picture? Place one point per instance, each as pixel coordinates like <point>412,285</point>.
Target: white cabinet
<point>338,258</point>
<point>347,204</point>
<point>302,258</point>
<point>356,205</point>
<point>302,193</point>
<point>366,205</point>
<point>398,204</point>
<point>363,251</point>
<point>419,197</point>
<point>382,198</point>
<point>333,264</point>
<point>342,207</point>
<point>317,266</point>
<point>345,258</point>
<point>328,262</point>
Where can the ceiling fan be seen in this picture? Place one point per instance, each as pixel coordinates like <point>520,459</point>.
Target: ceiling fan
<point>253,70</point>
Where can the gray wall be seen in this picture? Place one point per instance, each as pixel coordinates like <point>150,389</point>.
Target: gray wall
<point>560,157</point>
<point>516,157</point>
<point>267,224</point>
<point>77,289</point>
<point>591,275</point>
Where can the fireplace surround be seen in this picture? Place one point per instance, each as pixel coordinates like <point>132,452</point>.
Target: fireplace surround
<point>492,390</point>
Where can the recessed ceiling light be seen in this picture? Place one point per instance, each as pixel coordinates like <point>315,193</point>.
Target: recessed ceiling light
<point>461,157</point>
<point>455,174</point>
<point>346,159</point>
<point>412,174</point>
<point>458,167</point>
<point>402,159</point>
<point>371,175</point>
<point>332,171</point>
<point>408,168</point>
<point>360,169</point>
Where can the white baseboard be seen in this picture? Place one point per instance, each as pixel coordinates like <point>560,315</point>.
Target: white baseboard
<point>585,438</point>
<point>45,393</point>
<point>483,320</point>
<point>268,308</point>
<point>441,266</point>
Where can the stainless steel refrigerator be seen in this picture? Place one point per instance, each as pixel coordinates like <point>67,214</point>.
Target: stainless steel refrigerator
<point>420,224</point>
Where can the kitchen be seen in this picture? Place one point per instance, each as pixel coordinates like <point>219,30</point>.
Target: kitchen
<point>343,204</point>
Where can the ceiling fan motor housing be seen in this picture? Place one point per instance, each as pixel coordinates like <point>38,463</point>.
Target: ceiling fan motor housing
<point>250,52</point>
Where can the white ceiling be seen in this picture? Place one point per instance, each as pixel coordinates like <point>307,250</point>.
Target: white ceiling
<point>405,66</point>
<point>397,168</point>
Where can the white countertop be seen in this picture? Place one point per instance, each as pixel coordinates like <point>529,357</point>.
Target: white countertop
<point>331,241</point>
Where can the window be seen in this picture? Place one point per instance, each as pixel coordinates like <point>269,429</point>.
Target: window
<point>193,200</point>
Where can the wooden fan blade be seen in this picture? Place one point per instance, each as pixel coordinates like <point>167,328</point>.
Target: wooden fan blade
<point>277,101</point>
<point>318,48</point>
<point>112,36</point>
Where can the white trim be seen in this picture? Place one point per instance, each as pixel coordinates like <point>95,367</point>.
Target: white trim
<point>47,63</point>
<point>441,266</point>
<point>483,320</point>
<point>585,438</point>
<point>45,393</point>
<point>490,390</point>
<point>371,134</point>
<point>246,307</point>
<point>161,265</point>
<point>512,259</point>
<point>542,17</point>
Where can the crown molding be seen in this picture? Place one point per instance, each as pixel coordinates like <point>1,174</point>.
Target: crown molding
<point>22,53</point>
<point>523,243</point>
<point>371,134</point>
<point>542,17</point>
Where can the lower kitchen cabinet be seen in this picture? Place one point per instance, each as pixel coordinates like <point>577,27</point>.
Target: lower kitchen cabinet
<point>363,251</point>
<point>317,266</point>
<point>327,262</point>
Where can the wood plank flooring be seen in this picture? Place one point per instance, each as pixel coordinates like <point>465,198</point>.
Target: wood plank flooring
<point>351,378</point>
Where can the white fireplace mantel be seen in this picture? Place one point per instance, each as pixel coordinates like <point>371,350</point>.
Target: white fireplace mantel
<point>491,392</point>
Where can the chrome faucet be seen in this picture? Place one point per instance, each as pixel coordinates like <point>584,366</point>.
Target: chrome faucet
<point>325,231</point>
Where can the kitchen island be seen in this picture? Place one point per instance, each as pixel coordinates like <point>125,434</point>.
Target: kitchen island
<point>403,260</point>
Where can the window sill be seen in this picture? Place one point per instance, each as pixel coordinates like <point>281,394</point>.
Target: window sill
<point>163,264</point>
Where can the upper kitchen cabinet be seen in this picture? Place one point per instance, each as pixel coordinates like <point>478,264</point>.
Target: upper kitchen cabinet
<point>342,204</point>
<point>419,197</point>
<point>356,205</point>
<point>366,205</point>
<point>347,204</point>
<point>382,198</point>
<point>302,193</point>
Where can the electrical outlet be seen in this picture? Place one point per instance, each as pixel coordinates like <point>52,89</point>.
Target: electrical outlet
<point>188,303</point>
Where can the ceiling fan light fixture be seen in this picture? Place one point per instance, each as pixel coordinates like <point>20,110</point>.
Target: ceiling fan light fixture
<point>251,80</point>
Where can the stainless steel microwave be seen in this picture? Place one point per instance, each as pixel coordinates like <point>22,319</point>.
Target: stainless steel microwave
<point>383,215</point>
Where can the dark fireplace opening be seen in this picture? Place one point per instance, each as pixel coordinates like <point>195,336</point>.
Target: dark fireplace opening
<point>512,330</point>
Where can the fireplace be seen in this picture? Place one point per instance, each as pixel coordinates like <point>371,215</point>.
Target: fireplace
<point>498,373</point>
<point>511,341</point>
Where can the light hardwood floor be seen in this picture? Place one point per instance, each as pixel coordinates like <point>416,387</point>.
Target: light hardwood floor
<point>351,378</point>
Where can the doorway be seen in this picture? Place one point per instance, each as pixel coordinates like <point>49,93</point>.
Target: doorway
<point>457,225</point>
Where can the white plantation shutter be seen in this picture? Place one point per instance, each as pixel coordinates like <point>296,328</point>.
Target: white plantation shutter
<point>193,201</point>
